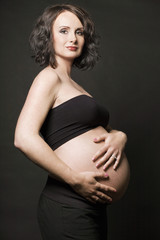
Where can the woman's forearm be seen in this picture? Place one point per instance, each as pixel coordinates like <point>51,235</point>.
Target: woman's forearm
<point>121,134</point>
<point>37,150</point>
<point>86,184</point>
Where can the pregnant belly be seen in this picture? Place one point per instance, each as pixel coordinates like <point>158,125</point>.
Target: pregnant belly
<point>78,152</point>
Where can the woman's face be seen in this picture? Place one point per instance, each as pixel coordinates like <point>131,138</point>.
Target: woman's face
<point>68,36</point>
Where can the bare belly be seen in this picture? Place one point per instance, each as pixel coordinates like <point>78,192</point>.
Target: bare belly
<point>78,152</point>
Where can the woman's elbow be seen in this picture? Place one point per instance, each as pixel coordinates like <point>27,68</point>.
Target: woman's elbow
<point>17,140</point>
<point>20,140</point>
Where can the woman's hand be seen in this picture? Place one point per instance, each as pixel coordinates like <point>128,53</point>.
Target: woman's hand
<point>87,186</point>
<point>111,152</point>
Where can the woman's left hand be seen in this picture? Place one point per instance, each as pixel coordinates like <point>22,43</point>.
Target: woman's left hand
<point>114,144</point>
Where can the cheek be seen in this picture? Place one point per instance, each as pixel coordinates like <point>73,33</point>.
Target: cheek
<point>58,42</point>
<point>82,43</point>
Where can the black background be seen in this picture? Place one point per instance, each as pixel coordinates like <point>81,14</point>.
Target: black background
<point>126,80</point>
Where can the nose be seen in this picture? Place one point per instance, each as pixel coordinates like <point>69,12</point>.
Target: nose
<point>73,37</point>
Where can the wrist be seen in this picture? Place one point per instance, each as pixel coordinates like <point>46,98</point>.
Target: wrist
<point>120,133</point>
<point>123,135</point>
<point>73,178</point>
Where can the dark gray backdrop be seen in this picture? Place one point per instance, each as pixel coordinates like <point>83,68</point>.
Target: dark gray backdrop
<point>126,80</point>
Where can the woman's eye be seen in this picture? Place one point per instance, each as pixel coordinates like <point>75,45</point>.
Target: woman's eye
<point>63,31</point>
<point>80,33</point>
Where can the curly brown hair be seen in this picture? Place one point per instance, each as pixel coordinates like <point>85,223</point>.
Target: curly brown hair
<point>41,37</point>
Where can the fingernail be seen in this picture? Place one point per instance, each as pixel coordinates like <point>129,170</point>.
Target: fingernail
<point>95,139</point>
<point>97,165</point>
<point>92,158</point>
<point>106,175</point>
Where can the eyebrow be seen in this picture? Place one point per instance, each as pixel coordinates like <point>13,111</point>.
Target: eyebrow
<point>69,27</point>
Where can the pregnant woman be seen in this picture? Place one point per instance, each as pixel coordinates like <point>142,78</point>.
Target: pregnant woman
<point>65,131</point>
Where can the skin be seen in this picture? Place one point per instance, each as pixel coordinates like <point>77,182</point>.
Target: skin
<point>50,88</point>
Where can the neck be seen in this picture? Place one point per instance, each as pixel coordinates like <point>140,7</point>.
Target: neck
<point>64,67</point>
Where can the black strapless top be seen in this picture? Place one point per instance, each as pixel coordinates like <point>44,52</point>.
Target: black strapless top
<point>72,118</point>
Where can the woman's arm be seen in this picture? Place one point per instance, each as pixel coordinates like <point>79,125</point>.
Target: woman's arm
<point>111,152</point>
<point>40,99</point>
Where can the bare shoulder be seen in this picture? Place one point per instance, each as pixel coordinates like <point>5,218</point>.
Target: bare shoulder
<point>47,79</point>
<point>44,89</point>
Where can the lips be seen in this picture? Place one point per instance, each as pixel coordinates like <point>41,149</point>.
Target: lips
<point>72,48</point>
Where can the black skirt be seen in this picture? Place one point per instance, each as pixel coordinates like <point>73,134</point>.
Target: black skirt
<point>64,215</point>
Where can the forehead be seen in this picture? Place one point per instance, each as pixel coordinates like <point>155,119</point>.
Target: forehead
<point>67,19</point>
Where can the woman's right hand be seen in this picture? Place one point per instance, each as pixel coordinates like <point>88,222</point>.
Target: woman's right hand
<point>87,186</point>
